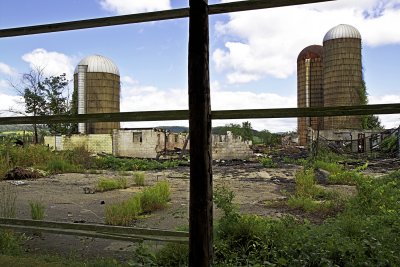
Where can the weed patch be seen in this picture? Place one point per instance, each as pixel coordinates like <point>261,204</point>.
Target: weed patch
<point>153,198</point>
<point>268,163</point>
<point>124,164</point>
<point>111,184</point>
<point>10,244</point>
<point>37,210</point>
<point>8,197</point>
<point>138,177</point>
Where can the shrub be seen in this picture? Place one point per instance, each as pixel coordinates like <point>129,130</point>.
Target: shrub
<point>365,233</point>
<point>139,178</point>
<point>172,255</point>
<point>268,163</point>
<point>10,244</point>
<point>111,184</point>
<point>37,210</point>
<point>8,197</point>
<point>305,184</point>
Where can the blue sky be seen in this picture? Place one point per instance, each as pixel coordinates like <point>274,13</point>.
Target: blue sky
<point>252,56</point>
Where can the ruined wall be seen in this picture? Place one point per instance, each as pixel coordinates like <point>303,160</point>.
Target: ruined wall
<point>347,135</point>
<point>230,147</point>
<point>138,143</point>
<point>148,143</point>
<point>95,143</point>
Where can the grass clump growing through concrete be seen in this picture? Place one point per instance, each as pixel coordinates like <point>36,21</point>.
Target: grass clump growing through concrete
<point>155,197</point>
<point>37,210</point>
<point>138,177</point>
<point>152,198</point>
<point>106,184</point>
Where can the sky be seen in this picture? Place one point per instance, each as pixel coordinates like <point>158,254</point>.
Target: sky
<point>252,54</point>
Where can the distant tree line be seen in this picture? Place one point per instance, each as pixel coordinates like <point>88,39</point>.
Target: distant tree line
<point>248,133</point>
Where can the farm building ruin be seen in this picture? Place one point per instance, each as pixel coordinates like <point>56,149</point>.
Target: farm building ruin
<point>149,143</point>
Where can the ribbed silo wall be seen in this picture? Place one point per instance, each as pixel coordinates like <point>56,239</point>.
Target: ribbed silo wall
<point>342,80</point>
<point>102,96</point>
<point>309,77</point>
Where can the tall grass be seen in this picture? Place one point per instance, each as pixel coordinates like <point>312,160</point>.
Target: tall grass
<point>8,197</point>
<point>138,177</point>
<point>153,198</point>
<point>37,210</point>
<point>105,184</point>
<point>123,213</point>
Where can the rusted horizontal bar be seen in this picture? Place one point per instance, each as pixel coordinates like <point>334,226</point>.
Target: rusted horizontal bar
<point>216,115</point>
<point>149,16</point>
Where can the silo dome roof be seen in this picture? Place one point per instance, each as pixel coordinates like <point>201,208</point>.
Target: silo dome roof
<point>342,31</point>
<point>97,63</point>
<point>310,52</point>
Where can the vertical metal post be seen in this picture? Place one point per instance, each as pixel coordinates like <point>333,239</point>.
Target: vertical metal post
<point>200,210</point>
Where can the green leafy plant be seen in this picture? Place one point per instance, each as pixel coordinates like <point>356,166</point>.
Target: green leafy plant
<point>138,178</point>
<point>331,167</point>
<point>10,244</point>
<point>268,163</point>
<point>37,210</point>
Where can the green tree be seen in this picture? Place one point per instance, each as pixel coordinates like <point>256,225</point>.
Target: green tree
<point>269,138</point>
<point>46,96</point>
<point>247,131</point>
<point>57,99</point>
<point>368,122</point>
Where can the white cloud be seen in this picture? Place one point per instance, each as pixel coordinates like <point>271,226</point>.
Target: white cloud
<point>122,7</point>
<point>10,102</point>
<point>266,42</point>
<point>4,84</point>
<point>137,97</point>
<point>52,63</point>
<point>390,120</point>
<point>5,69</point>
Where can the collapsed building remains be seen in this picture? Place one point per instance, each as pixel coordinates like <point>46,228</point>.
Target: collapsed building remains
<point>149,143</point>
